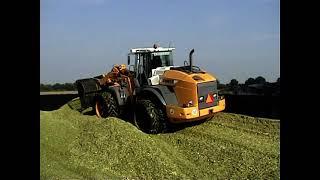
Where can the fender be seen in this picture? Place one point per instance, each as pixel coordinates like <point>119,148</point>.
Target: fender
<point>89,89</point>
<point>115,91</point>
<point>156,93</point>
<point>163,93</point>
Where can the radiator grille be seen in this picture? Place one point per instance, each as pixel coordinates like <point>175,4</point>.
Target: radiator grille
<point>206,89</point>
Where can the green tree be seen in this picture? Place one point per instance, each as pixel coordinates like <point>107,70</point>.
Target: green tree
<point>69,87</point>
<point>58,87</point>
<point>44,87</point>
<point>233,83</point>
<point>249,81</point>
<point>220,85</point>
<point>233,86</point>
<point>260,80</point>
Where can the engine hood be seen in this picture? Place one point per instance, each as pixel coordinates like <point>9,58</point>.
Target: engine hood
<point>188,77</point>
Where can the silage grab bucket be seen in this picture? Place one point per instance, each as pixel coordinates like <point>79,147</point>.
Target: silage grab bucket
<point>87,91</point>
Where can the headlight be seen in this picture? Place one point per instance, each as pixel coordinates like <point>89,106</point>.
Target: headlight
<point>201,99</point>
<point>194,112</point>
<point>168,82</point>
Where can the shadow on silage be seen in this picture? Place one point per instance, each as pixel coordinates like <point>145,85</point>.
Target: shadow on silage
<point>128,117</point>
<point>51,102</point>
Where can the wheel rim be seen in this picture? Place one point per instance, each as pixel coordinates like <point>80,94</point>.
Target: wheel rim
<point>99,109</point>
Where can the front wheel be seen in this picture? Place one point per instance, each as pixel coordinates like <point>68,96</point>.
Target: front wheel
<point>150,117</point>
<point>106,106</point>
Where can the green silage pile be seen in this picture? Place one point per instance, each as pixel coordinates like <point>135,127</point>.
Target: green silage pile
<point>229,146</point>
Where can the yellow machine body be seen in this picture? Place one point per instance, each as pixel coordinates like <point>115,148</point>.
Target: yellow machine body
<point>185,87</point>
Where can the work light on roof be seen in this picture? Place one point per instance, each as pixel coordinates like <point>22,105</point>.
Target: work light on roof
<point>155,46</point>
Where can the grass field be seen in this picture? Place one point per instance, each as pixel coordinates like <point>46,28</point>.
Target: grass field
<point>229,146</point>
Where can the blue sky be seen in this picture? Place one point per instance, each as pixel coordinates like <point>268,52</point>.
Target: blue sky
<point>231,38</point>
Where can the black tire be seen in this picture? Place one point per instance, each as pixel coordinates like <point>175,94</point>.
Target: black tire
<point>106,106</point>
<point>151,117</point>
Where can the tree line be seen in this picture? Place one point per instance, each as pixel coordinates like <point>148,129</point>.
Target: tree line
<point>58,87</point>
<point>257,85</point>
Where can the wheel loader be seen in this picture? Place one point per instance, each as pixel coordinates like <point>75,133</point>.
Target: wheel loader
<point>157,92</point>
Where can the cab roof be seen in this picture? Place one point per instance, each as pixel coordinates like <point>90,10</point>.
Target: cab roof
<point>150,49</point>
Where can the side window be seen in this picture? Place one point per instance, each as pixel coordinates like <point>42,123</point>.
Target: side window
<point>142,67</point>
<point>141,63</point>
<point>146,64</point>
<point>136,64</point>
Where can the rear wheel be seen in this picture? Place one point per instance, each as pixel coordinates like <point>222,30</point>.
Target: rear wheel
<point>151,117</point>
<point>106,106</point>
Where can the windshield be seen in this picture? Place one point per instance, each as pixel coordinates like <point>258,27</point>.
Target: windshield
<point>159,59</point>
<point>149,61</point>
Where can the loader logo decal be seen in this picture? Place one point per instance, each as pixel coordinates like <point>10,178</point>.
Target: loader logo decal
<point>209,99</point>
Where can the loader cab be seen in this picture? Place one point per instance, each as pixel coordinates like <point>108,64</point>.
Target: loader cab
<point>146,59</point>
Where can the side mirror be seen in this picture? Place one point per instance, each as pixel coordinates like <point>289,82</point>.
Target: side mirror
<point>128,59</point>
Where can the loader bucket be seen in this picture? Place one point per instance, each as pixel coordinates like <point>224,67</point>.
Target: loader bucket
<point>87,91</point>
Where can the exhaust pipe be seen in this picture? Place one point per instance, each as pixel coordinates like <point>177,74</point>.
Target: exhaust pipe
<point>190,59</point>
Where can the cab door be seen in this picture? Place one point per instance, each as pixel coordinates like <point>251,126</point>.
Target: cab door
<point>142,68</point>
